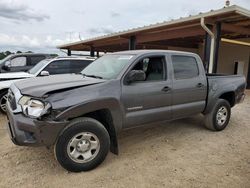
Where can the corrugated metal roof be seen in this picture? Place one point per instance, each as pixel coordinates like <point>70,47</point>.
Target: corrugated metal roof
<point>211,13</point>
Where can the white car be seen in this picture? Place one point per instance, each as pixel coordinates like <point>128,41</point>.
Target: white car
<point>46,67</point>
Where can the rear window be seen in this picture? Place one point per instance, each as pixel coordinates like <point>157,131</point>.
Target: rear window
<point>184,67</point>
<point>36,59</point>
<point>76,66</point>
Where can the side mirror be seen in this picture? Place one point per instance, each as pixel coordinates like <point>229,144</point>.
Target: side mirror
<point>136,75</point>
<point>44,73</point>
<point>6,66</point>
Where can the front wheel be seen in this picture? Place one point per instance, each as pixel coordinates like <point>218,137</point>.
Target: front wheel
<point>83,145</point>
<point>3,101</point>
<point>219,117</point>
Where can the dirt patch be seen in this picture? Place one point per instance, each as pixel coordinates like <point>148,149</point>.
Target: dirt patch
<point>177,154</point>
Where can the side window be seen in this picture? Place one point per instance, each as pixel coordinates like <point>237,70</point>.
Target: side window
<point>77,66</point>
<point>18,62</point>
<point>184,67</point>
<point>153,67</point>
<point>58,67</point>
<point>35,59</point>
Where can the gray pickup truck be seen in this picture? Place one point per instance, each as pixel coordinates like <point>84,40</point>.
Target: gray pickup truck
<point>81,115</point>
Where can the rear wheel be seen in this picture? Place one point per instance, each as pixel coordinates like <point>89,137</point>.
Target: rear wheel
<point>3,100</point>
<point>219,117</point>
<point>83,145</point>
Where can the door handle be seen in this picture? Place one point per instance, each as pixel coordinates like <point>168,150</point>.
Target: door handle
<point>166,89</point>
<point>199,85</point>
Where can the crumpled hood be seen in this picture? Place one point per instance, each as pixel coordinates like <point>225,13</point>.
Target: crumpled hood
<point>39,86</point>
<point>15,75</point>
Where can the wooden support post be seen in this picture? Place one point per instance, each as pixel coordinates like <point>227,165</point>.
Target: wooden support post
<point>207,51</point>
<point>92,51</point>
<point>69,52</point>
<point>217,46</point>
<point>207,47</point>
<point>132,43</point>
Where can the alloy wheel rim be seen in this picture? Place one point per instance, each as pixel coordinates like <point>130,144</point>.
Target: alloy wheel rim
<point>3,101</point>
<point>221,116</point>
<point>83,147</point>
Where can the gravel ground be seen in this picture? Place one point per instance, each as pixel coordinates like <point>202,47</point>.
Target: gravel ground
<point>177,154</point>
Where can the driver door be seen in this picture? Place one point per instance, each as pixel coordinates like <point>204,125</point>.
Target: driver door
<point>18,64</point>
<point>149,100</point>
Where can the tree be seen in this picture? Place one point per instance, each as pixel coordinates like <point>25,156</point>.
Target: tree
<point>2,55</point>
<point>7,53</point>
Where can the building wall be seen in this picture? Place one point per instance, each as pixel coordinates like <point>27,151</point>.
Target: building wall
<point>229,54</point>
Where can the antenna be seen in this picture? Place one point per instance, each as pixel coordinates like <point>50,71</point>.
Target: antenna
<point>80,36</point>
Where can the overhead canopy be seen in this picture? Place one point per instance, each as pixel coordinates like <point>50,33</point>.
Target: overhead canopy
<point>183,32</point>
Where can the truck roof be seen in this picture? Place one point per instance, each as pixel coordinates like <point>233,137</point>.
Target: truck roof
<point>141,52</point>
<point>76,57</point>
<point>30,54</point>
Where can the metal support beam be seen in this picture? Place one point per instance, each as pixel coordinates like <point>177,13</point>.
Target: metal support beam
<point>237,42</point>
<point>97,54</point>
<point>217,46</point>
<point>132,43</point>
<point>69,52</point>
<point>92,51</point>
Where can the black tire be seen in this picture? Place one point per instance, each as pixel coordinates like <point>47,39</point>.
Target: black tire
<point>211,121</point>
<point>3,101</point>
<point>75,127</point>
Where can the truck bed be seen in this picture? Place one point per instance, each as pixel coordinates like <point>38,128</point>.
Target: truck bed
<point>218,84</point>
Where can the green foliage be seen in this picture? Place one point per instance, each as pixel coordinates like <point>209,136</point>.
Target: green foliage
<point>7,53</point>
<point>4,54</point>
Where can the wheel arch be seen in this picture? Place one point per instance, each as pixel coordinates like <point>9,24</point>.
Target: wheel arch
<point>213,97</point>
<point>108,112</point>
<point>3,90</point>
<point>105,117</point>
<point>229,97</point>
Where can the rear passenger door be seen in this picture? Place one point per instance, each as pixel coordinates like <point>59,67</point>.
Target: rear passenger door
<point>33,60</point>
<point>189,86</point>
<point>76,66</point>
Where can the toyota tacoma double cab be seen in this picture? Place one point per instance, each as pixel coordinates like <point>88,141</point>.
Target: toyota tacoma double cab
<point>80,115</point>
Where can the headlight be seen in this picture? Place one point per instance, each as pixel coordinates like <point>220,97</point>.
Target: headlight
<point>32,107</point>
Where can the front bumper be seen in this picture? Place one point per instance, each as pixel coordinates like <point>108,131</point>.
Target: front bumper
<point>25,131</point>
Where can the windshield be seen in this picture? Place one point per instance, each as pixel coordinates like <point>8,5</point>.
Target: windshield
<point>107,67</point>
<point>38,66</point>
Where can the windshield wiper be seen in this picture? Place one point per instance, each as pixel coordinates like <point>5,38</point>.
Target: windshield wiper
<point>92,76</point>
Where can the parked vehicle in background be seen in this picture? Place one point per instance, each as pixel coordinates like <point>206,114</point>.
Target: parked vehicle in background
<point>80,115</point>
<point>46,67</point>
<point>22,61</point>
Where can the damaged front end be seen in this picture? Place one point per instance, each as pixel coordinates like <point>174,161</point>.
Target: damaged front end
<point>28,122</point>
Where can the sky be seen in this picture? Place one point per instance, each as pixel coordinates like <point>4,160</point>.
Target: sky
<point>41,25</point>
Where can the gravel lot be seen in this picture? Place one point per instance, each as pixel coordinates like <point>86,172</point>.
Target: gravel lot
<point>177,154</point>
